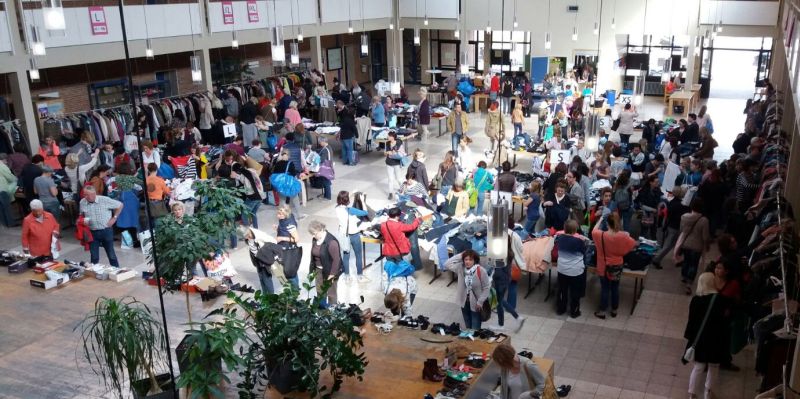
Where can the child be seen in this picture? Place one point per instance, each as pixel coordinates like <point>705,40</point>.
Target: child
<point>517,118</point>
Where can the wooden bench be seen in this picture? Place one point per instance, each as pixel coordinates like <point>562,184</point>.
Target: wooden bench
<point>637,275</point>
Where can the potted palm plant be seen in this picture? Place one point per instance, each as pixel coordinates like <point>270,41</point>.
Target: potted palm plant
<point>207,347</point>
<point>122,341</point>
<point>292,341</point>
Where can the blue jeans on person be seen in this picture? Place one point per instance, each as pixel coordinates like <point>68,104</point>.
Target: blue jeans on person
<point>295,281</point>
<point>691,260</point>
<point>609,288</point>
<point>355,250</point>
<point>251,213</point>
<point>454,140</point>
<point>530,225</point>
<point>444,190</point>
<point>517,129</point>
<point>6,217</point>
<point>326,188</point>
<point>347,152</point>
<point>104,238</point>
<point>502,304</point>
<point>511,294</point>
<point>472,319</point>
<point>626,218</point>
<point>266,281</point>
<point>478,211</point>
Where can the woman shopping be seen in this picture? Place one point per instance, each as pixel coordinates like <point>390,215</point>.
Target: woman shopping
<point>705,328</point>
<point>520,377</point>
<point>611,246</point>
<point>474,285</point>
<point>349,230</point>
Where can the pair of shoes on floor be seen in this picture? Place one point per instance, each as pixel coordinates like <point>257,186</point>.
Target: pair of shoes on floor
<point>431,371</point>
<point>563,390</point>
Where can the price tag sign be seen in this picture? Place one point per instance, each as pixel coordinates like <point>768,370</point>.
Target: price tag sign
<point>227,12</point>
<point>252,11</point>
<point>97,20</point>
<point>557,156</point>
<point>229,130</point>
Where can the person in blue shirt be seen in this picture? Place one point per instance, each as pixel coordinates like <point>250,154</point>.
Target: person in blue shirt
<point>484,181</point>
<point>378,112</point>
<point>532,203</point>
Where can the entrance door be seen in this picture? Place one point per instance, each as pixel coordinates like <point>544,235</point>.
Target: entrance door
<point>378,53</point>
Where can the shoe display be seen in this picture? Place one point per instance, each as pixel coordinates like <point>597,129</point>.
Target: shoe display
<point>431,371</point>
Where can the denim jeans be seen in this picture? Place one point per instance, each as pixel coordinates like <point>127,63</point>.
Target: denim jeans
<point>478,211</point>
<point>266,281</point>
<point>347,152</point>
<point>444,190</point>
<point>530,225</point>
<point>517,129</point>
<point>454,140</point>
<point>252,212</point>
<point>472,319</point>
<point>667,246</point>
<point>326,187</point>
<point>626,219</point>
<point>691,260</point>
<point>511,294</point>
<point>355,250</point>
<point>6,217</point>
<point>104,238</point>
<point>505,104</point>
<point>502,305</point>
<point>609,288</point>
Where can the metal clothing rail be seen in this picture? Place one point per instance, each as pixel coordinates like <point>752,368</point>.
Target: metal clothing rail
<point>249,81</point>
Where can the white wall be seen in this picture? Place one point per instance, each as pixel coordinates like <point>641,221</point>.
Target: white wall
<point>266,18</point>
<point>435,8</point>
<point>345,10</point>
<point>166,20</point>
<point>762,13</point>
<point>5,39</point>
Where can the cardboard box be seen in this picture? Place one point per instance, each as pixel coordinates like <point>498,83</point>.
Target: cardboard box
<point>205,283</point>
<point>18,267</point>
<point>51,265</point>
<point>120,275</point>
<point>41,281</point>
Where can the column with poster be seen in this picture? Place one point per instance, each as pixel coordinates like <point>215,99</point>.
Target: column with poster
<point>227,12</point>
<point>252,11</point>
<point>97,20</point>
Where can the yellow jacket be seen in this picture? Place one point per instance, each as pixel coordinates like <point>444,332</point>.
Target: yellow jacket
<point>451,122</point>
<point>462,204</point>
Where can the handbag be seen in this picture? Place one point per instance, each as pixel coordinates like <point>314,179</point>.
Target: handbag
<point>678,254</point>
<point>286,184</point>
<point>486,307</point>
<point>292,255</point>
<point>516,272</point>
<point>688,356</point>
<point>436,182</point>
<point>613,272</point>
<point>326,170</point>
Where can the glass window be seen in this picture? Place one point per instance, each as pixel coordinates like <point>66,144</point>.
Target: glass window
<point>738,43</point>
<point>480,56</point>
<point>658,58</point>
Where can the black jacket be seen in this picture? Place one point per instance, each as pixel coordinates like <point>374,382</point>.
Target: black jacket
<point>420,173</point>
<point>711,346</point>
<point>247,114</point>
<point>348,128</point>
<point>330,257</point>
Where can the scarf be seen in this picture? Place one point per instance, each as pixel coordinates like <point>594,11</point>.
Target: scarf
<point>469,276</point>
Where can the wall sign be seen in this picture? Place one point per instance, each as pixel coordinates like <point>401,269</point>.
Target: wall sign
<point>97,20</point>
<point>252,11</point>
<point>334,58</point>
<point>227,12</point>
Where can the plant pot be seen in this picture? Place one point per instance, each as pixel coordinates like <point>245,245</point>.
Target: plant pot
<point>140,388</point>
<point>283,378</point>
<point>180,352</point>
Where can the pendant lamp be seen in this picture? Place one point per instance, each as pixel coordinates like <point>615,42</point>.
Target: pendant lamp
<point>34,71</point>
<point>197,73</point>
<point>53,13</point>
<point>278,52</point>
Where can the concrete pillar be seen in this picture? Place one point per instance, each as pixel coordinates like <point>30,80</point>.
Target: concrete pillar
<point>23,104</point>
<point>316,53</point>
<point>487,52</point>
<point>205,62</point>
<point>425,55</point>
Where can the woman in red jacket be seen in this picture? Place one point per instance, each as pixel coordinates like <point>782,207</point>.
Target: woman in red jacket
<point>611,245</point>
<point>395,242</point>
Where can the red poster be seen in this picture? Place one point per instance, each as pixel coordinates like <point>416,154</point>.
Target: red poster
<point>252,11</point>
<point>97,20</point>
<point>227,12</point>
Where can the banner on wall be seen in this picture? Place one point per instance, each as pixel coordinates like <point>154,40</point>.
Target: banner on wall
<point>252,11</point>
<point>97,19</point>
<point>227,12</point>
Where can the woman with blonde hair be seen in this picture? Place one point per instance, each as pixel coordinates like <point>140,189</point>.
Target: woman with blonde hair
<point>705,328</point>
<point>77,172</point>
<point>517,119</point>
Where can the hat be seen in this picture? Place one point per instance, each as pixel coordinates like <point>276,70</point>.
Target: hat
<point>36,204</point>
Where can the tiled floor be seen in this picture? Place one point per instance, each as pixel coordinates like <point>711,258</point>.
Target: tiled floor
<point>625,357</point>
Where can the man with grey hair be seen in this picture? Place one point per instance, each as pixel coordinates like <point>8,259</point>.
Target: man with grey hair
<point>45,187</point>
<point>8,186</point>
<point>326,261</point>
<point>100,213</point>
<point>38,230</point>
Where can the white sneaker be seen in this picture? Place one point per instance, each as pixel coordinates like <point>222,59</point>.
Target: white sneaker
<point>496,328</point>
<point>363,279</point>
<point>348,278</point>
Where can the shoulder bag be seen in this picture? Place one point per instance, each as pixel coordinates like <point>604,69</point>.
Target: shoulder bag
<point>326,168</point>
<point>613,272</point>
<point>688,356</point>
<point>292,255</point>
<point>678,254</point>
<point>394,242</point>
<point>286,184</point>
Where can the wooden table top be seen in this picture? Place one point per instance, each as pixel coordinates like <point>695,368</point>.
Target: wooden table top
<point>682,95</point>
<point>396,362</point>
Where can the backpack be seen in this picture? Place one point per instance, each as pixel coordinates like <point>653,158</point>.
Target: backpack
<point>623,199</point>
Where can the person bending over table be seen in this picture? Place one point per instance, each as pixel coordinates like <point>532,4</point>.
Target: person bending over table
<point>519,376</point>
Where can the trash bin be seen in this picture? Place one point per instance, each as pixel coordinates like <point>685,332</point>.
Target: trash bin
<point>611,96</point>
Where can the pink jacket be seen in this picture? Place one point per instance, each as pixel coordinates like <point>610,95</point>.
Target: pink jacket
<point>536,253</point>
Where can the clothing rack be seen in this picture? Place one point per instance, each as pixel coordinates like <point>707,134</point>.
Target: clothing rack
<point>63,114</point>
<point>248,81</point>
<point>181,95</point>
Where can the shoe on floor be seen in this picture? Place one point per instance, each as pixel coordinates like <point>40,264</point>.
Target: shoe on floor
<point>600,315</point>
<point>575,314</point>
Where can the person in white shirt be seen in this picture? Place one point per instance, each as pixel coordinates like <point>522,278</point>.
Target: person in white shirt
<point>626,119</point>
<point>579,149</point>
<point>465,159</point>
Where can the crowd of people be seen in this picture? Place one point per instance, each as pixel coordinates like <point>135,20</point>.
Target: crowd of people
<point>592,199</point>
